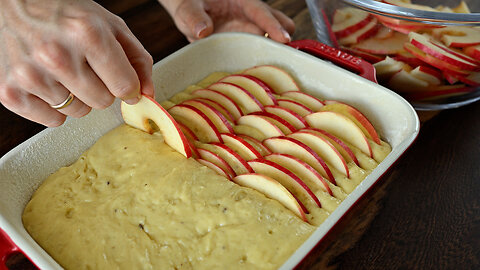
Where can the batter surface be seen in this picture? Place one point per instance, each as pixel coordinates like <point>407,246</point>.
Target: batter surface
<point>132,202</point>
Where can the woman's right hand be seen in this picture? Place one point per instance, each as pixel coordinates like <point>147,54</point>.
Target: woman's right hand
<point>51,48</point>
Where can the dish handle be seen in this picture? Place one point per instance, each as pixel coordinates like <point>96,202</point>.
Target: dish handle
<point>338,57</point>
<point>7,248</point>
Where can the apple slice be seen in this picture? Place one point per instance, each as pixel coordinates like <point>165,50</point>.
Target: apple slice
<point>428,74</point>
<point>260,123</point>
<point>290,116</point>
<point>428,46</point>
<point>294,106</point>
<point>308,100</point>
<point>472,79</point>
<point>219,108</point>
<point>343,148</point>
<point>247,102</point>
<point>217,160</point>
<point>310,176</point>
<point>371,58</point>
<point>291,146</point>
<point>405,82</point>
<point>342,127</point>
<point>383,46</point>
<point>462,8</point>
<point>188,132</point>
<point>249,131</point>
<point>255,86</point>
<point>146,110</point>
<point>214,167</point>
<point>473,51</point>
<point>363,33</point>
<point>278,79</point>
<point>196,121</point>
<point>273,190</point>
<point>451,78</point>
<point>409,59</point>
<point>238,164</point>
<point>286,178</point>
<point>348,20</point>
<point>387,68</point>
<point>262,149</point>
<point>458,36</point>
<point>281,123</point>
<point>440,92</point>
<point>242,147</point>
<point>221,99</point>
<point>217,118</point>
<point>355,115</point>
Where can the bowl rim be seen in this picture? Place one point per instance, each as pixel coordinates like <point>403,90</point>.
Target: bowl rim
<point>415,15</point>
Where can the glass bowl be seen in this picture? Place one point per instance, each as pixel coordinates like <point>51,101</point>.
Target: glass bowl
<point>397,19</point>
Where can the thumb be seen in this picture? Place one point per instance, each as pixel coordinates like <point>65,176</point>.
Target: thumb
<point>192,20</point>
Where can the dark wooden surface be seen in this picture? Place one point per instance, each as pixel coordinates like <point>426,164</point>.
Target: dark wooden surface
<point>424,215</point>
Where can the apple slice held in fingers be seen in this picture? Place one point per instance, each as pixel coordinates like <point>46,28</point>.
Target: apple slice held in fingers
<point>214,167</point>
<point>278,79</point>
<point>146,110</point>
<point>308,100</point>
<point>260,123</point>
<point>242,147</point>
<point>245,100</point>
<point>291,146</point>
<point>196,121</point>
<point>216,159</point>
<point>295,106</point>
<point>287,179</point>
<point>220,122</point>
<point>273,190</point>
<point>341,127</point>
<point>356,116</point>
<point>259,89</point>
<point>221,99</point>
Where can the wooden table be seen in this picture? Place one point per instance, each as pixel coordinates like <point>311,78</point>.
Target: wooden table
<point>425,215</point>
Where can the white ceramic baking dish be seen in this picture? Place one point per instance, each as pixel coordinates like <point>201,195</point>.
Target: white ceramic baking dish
<point>24,168</point>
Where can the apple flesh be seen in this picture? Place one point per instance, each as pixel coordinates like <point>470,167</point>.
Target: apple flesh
<point>140,114</point>
<point>278,79</point>
<point>290,116</point>
<point>238,164</point>
<point>217,160</point>
<point>383,46</point>
<point>347,21</point>
<point>458,36</point>
<point>310,101</point>
<point>196,121</point>
<point>221,99</point>
<point>273,190</point>
<point>365,32</point>
<point>404,82</point>
<point>247,102</point>
<point>260,90</point>
<point>242,147</point>
<point>295,106</point>
<point>256,144</point>
<point>214,167</point>
<point>428,74</point>
<point>218,119</point>
<point>281,123</point>
<point>260,123</point>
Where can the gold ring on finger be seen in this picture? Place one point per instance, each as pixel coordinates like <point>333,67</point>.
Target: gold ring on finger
<point>65,103</point>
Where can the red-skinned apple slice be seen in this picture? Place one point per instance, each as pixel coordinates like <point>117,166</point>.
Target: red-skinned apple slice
<point>291,146</point>
<point>387,68</point>
<point>221,99</point>
<point>371,58</point>
<point>290,116</point>
<point>405,82</point>
<point>324,149</point>
<point>247,102</point>
<point>342,127</point>
<point>219,108</point>
<point>217,118</point>
<point>249,131</point>
<point>286,178</point>
<point>255,86</point>
<point>472,79</point>
<point>349,20</point>
<point>409,59</point>
<point>281,123</point>
<point>310,101</point>
<point>428,74</point>
<point>262,149</point>
<point>196,121</point>
<point>278,79</point>
<point>273,190</point>
<point>346,152</point>
<point>458,36</point>
<point>140,114</point>
<point>260,123</point>
<point>217,160</point>
<point>383,46</point>
<point>188,132</point>
<point>295,106</point>
<point>473,51</point>
<point>238,164</point>
<point>428,46</point>
<point>310,176</point>
<point>356,116</point>
<point>451,78</point>
<point>214,167</point>
<point>242,147</point>
<point>365,32</point>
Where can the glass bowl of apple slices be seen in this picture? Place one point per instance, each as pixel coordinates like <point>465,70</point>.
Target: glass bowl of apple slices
<point>427,51</point>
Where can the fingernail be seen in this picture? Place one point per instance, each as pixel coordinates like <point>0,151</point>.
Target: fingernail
<point>132,101</point>
<point>286,35</point>
<point>199,28</point>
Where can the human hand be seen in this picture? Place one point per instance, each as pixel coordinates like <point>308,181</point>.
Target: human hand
<point>200,18</point>
<point>50,48</point>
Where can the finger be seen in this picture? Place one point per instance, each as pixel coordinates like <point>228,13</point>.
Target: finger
<point>259,13</point>
<point>138,57</point>
<point>192,19</point>
<point>30,107</point>
<point>286,22</point>
<point>31,80</point>
<point>73,72</point>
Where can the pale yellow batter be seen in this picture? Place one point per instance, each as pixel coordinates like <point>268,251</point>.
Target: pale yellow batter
<point>132,202</point>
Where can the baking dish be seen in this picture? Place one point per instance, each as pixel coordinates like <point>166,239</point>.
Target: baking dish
<point>24,168</point>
